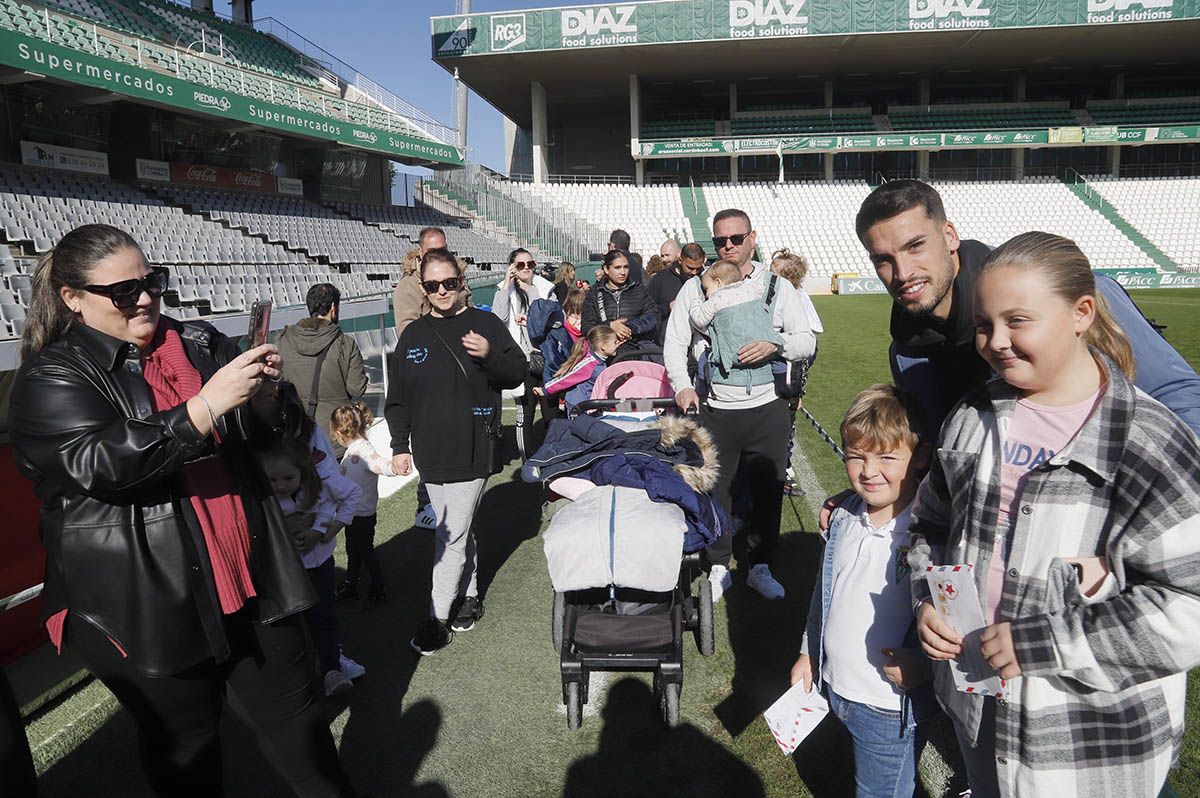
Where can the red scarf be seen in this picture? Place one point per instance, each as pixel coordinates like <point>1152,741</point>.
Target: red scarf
<point>173,380</point>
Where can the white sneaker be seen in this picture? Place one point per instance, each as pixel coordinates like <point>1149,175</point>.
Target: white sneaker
<point>337,683</point>
<point>425,518</point>
<point>761,580</point>
<point>351,668</point>
<point>721,581</point>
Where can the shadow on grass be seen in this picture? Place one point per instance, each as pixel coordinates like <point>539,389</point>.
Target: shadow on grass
<point>639,756</point>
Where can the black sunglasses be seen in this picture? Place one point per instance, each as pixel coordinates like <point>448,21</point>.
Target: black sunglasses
<point>522,265</point>
<point>736,239</point>
<point>450,284</point>
<point>126,293</point>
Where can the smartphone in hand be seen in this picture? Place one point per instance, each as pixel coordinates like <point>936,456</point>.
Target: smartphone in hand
<point>260,322</point>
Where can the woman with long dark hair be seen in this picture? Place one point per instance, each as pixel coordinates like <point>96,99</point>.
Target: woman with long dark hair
<point>519,288</point>
<point>169,569</point>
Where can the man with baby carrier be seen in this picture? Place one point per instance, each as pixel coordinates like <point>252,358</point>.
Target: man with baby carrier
<point>742,407</point>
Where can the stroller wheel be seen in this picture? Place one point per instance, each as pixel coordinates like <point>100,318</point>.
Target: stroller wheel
<point>706,640</point>
<point>557,612</point>
<point>575,706</point>
<point>670,704</point>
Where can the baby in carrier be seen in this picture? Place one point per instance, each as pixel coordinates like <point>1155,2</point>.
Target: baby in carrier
<point>735,313</point>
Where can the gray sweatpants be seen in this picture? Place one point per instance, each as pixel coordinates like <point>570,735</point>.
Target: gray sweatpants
<point>454,505</point>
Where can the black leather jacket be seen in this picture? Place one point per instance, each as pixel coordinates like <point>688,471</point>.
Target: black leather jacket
<point>123,548</point>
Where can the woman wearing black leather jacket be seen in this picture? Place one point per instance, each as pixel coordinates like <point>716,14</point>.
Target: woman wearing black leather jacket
<point>169,570</point>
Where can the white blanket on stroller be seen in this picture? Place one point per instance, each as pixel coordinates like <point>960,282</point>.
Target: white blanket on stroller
<point>615,536</point>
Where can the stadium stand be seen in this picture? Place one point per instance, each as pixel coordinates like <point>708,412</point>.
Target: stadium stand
<point>813,219</point>
<point>825,120</point>
<point>295,223</point>
<point>168,23</point>
<point>994,212</point>
<point>650,214</point>
<point>407,222</point>
<point>1162,209</point>
<point>1146,112</point>
<point>677,128</point>
<point>960,116</point>
<point>816,218</point>
<point>224,249</point>
<point>159,34</point>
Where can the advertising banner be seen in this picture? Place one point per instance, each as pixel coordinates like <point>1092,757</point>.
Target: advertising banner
<point>859,285</point>
<point>766,145</point>
<point>221,177</point>
<point>1151,278</point>
<point>290,186</point>
<point>688,147</point>
<point>78,67</point>
<point>157,171</point>
<point>996,138</point>
<point>68,158</point>
<point>624,24</point>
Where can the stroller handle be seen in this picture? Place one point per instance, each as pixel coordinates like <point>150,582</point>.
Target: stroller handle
<point>626,405</point>
<point>643,353</point>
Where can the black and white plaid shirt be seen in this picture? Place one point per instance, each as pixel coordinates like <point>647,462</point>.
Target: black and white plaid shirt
<point>1099,709</point>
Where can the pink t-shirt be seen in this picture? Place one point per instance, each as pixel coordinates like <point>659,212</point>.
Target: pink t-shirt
<point>1035,433</point>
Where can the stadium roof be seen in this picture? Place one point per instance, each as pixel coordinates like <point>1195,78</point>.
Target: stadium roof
<point>588,67</point>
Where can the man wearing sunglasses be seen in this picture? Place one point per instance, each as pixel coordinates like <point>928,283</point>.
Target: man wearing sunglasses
<point>324,364</point>
<point>751,427</point>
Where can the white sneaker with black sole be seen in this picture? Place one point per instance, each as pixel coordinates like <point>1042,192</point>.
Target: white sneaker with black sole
<point>721,581</point>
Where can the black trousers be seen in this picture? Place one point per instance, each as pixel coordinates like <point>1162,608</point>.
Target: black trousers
<point>17,776</point>
<point>360,549</point>
<point>752,444</point>
<point>270,677</point>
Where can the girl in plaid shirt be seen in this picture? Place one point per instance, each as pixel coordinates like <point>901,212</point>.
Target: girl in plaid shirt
<point>1075,496</point>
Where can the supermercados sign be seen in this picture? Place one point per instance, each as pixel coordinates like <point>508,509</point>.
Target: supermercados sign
<point>675,21</point>
<point>74,66</point>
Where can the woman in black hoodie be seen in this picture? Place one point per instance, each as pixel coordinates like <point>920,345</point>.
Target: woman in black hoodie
<point>443,408</point>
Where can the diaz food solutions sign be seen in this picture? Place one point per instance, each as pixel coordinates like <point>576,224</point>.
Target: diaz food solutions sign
<point>663,22</point>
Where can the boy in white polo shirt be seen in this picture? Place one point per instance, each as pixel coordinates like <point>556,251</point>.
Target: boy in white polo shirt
<point>859,645</point>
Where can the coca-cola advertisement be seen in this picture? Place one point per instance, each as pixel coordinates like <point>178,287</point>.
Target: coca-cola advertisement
<point>196,174</point>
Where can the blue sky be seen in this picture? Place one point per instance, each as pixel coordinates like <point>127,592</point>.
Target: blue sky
<point>389,42</point>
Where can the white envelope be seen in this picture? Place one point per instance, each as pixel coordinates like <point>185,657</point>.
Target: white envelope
<point>794,716</point>
<point>956,598</point>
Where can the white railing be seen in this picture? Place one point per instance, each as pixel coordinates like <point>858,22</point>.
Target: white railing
<point>314,52</point>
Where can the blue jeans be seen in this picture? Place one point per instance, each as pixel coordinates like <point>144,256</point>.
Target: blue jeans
<point>885,759</point>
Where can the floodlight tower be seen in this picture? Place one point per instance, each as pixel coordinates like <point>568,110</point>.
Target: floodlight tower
<point>460,91</point>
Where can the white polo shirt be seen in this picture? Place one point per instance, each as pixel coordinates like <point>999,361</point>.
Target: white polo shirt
<point>870,608</point>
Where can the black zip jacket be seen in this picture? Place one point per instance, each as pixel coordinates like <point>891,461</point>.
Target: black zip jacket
<point>631,302</point>
<point>435,412</point>
<point>124,550</point>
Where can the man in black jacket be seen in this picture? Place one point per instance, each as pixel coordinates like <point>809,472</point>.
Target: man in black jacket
<point>666,284</point>
<point>622,303</point>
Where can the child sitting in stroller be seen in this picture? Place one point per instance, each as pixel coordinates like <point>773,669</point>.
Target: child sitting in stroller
<point>578,374</point>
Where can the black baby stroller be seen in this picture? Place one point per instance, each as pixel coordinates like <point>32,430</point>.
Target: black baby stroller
<point>604,625</point>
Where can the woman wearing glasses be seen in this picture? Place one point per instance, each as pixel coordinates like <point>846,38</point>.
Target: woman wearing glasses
<point>169,569</point>
<point>443,407</point>
<point>516,292</point>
